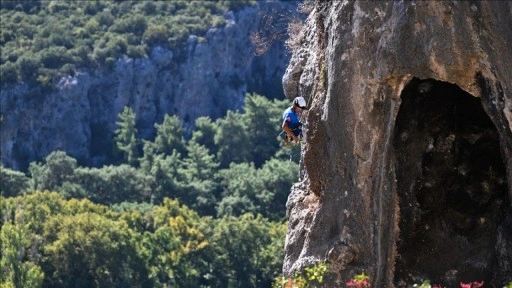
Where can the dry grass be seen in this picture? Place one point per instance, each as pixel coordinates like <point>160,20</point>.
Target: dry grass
<point>287,27</point>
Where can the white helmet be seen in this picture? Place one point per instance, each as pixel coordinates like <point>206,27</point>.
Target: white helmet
<point>300,102</point>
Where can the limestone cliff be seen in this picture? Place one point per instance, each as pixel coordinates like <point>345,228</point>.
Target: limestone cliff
<point>407,164</point>
<point>209,76</point>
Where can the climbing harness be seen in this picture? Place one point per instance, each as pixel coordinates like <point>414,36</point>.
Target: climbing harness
<point>288,142</point>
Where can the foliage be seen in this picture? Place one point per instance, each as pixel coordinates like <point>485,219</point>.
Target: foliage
<point>169,136</point>
<point>424,284</point>
<point>197,172</point>
<point>204,133</point>
<point>48,241</point>
<point>175,216</point>
<point>88,248</point>
<point>114,184</point>
<point>277,176</point>
<point>58,168</point>
<point>15,269</point>
<point>232,139</point>
<point>213,172</point>
<point>245,251</point>
<point>262,118</point>
<point>310,277</point>
<point>53,36</point>
<point>12,182</point>
<point>359,281</point>
<point>126,136</point>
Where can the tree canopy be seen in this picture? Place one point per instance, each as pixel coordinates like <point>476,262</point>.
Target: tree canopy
<point>44,40</point>
<point>48,241</point>
<point>202,211</point>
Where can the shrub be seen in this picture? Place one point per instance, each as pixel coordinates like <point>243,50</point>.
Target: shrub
<point>136,51</point>
<point>130,24</point>
<point>34,32</point>
<point>54,57</point>
<point>155,35</point>
<point>12,183</point>
<point>8,72</point>
<point>27,65</point>
<point>309,277</point>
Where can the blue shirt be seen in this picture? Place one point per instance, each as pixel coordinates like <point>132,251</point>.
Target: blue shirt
<point>291,118</point>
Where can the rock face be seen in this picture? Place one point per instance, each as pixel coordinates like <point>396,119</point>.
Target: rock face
<point>407,164</point>
<point>210,76</point>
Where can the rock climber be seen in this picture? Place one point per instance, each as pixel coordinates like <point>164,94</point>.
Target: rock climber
<point>292,126</point>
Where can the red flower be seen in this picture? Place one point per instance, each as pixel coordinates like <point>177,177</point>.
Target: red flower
<point>471,284</point>
<point>358,284</point>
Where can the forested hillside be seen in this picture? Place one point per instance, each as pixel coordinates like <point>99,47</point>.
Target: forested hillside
<point>48,241</point>
<point>44,40</point>
<point>125,222</point>
<point>70,67</point>
<point>168,204</point>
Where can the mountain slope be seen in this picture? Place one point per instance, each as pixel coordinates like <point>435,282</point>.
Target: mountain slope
<point>208,76</point>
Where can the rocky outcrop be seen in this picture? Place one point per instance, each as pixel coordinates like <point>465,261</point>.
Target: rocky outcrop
<point>406,171</point>
<point>211,75</point>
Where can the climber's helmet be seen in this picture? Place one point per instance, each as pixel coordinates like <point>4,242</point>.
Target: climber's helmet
<point>300,102</point>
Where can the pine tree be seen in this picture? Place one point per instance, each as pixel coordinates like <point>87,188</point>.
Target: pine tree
<point>126,136</point>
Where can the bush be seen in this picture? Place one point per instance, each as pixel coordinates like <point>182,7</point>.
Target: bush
<point>54,57</point>
<point>8,72</point>
<point>130,24</point>
<point>136,51</point>
<point>156,35</point>
<point>94,31</point>
<point>27,66</point>
<point>12,183</point>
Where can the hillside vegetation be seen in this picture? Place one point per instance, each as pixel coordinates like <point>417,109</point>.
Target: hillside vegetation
<point>206,211</point>
<point>48,241</point>
<point>187,208</point>
<point>42,40</point>
<point>227,167</point>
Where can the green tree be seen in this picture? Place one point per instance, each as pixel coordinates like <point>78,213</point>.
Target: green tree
<point>197,173</point>
<point>126,136</point>
<point>88,249</point>
<point>54,57</point>
<point>114,184</point>
<point>204,133</point>
<point>15,269</point>
<point>277,176</point>
<point>263,120</point>
<point>169,136</point>
<point>132,23</point>
<point>28,65</point>
<point>232,139</point>
<point>245,251</point>
<point>8,72</point>
<point>241,188</point>
<point>148,155</point>
<point>265,190</point>
<point>107,29</point>
<point>172,246</point>
<point>12,183</point>
<point>156,34</point>
<point>164,170</point>
<point>31,209</point>
<point>57,169</point>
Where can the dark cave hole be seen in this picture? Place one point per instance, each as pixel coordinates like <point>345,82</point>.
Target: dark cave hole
<point>451,186</point>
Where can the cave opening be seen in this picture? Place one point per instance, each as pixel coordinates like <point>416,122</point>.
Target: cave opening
<point>451,186</point>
